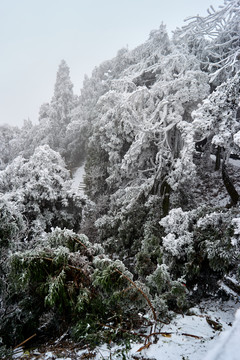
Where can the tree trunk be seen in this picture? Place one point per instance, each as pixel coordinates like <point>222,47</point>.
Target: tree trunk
<point>206,157</point>
<point>165,192</point>
<point>218,158</point>
<point>229,186</point>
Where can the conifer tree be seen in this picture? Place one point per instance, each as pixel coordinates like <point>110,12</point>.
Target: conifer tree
<point>61,106</point>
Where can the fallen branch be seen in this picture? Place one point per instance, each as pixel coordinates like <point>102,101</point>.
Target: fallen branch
<point>24,342</point>
<point>51,260</point>
<point>146,346</point>
<point>194,336</point>
<point>140,290</point>
<point>171,333</point>
<point>77,240</point>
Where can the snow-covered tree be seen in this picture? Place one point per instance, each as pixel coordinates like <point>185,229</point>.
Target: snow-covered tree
<point>144,132</point>
<point>216,120</point>
<point>41,189</point>
<point>215,40</point>
<point>12,224</point>
<point>61,105</point>
<point>200,247</point>
<point>26,140</point>
<point>153,201</point>
<point>216,117</point>
<point>54,118</point>
<point>77,133</point>
<point>7,136</point>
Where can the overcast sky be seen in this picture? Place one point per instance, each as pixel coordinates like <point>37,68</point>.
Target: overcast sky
<point>35,35</point>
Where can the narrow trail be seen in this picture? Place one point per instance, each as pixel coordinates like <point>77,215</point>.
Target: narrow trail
<point>78,175</point>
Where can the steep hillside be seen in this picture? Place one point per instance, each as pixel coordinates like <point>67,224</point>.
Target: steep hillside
<point>157,229</point>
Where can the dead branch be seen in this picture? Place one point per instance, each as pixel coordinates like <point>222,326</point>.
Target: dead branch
<point>24,342</point>
<point>171,333</point>
<point>191,335</point>
<point>50,259</point>
<point>77,240</point>
<point>140,290</point>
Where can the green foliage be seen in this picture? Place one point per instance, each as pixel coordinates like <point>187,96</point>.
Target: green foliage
<point>169,294</point>
<point>121,230</point>
<point>131,229</point>
<point>56,291</point>
<point>65,274</point>
<point>114,284</point>
<point>48,276</point>
<point>150,254</point>
<point>67,238</point>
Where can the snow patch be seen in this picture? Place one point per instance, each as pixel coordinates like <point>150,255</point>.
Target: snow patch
<point>78,179</point>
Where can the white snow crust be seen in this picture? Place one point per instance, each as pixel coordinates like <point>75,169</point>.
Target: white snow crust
<point>227,347</point>
<point>190,338</point>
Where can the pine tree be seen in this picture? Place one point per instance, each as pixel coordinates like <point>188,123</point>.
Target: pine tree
<point>61,106</point>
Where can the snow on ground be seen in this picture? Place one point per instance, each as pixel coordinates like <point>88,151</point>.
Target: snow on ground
<point>234,162</point>
<point>187,337</point>
<point>78,179</point>
<point>227,346</point>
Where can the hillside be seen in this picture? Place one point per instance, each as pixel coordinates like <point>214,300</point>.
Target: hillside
<point>154,231</point>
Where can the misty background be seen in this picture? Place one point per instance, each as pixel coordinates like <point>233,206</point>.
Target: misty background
<point>36,35</point>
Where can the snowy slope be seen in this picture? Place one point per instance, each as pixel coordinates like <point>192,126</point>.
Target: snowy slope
<point>196,336</point>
